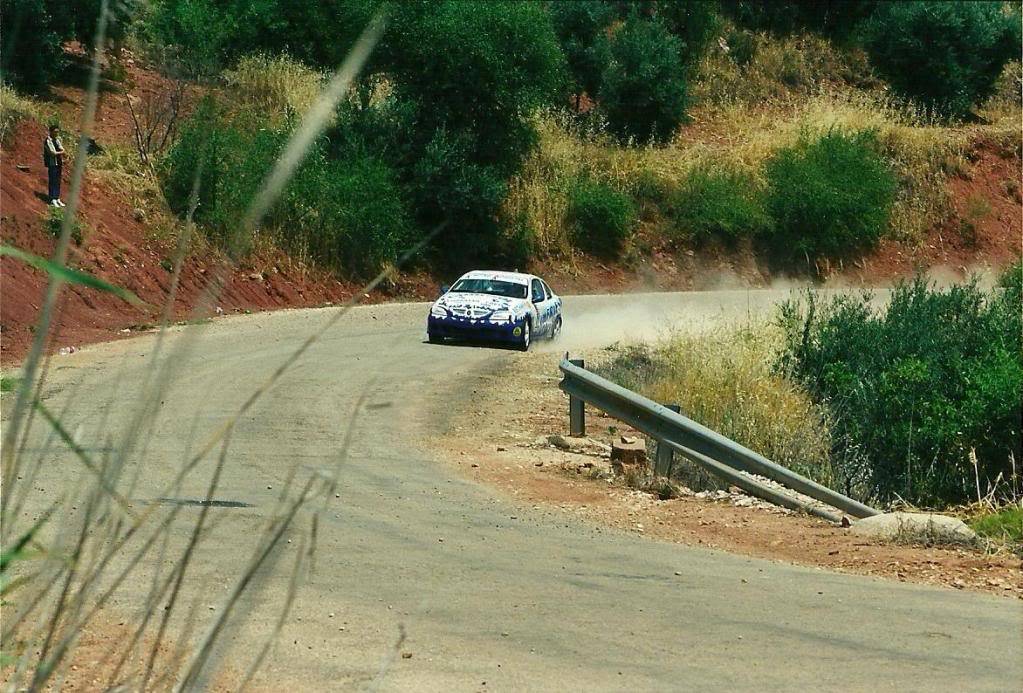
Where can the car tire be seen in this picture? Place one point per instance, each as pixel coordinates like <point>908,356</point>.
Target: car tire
<point>434,339</point>
<point>527,336</point>
<point>556,329</point>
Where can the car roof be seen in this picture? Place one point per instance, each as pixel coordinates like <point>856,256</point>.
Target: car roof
<point>513,277</point>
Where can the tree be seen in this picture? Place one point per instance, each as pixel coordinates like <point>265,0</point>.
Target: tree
<point>947,55</point>
<point>833,18</point>
<point>643,90</point>
<point>581,28</point>
<point>475,71</point>
<point>31,54</point>
<point>693,21</point>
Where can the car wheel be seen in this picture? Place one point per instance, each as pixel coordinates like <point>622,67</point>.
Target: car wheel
<point>434,339</point>
<point>527,336</point>
<point>556,330</point>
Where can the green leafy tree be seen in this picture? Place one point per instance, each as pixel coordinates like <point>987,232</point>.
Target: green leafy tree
<point>834,18</point>
<point>643,91</point>
<point>474,72</point>
<point>694,22</point>
<point>581,27</point>
<point>210,35</point>
<point>31,52</point>
<point>946,55</point>
<point>476,68</point>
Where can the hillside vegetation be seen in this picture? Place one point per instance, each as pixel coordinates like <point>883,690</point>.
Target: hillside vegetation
<point>529,131</point>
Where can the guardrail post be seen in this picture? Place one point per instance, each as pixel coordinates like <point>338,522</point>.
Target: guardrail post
<point>576,409</point>
<point>664,459</point>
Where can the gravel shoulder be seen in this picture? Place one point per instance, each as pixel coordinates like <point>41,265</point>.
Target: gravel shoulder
<point>519,460</point>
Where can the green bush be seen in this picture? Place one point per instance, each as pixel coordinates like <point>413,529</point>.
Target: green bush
<point>914,389</point>
<point>348,213</point>
<point>643,89</point>
<point>947,55</point>
<point>719,202</point>
<point>829,195</point>
<point>55,223</point>
<point>344,208</point>
<point>601,219</point>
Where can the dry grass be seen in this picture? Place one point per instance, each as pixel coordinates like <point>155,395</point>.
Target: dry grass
<point>725,381</point>
<point>275,85</point>
<point>15,108</point>
<point>742,116</point>
<point>753,68</point>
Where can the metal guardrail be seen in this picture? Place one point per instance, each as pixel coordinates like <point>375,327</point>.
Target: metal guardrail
<point>708,448</point>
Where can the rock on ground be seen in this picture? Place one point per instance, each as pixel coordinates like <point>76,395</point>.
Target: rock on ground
<point>927,528</point>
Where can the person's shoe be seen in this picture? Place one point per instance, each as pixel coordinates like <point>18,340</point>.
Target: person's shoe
<point>55,203</point>
<point>61,203</point>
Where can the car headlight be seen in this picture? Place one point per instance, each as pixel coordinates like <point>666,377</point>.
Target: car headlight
<point>501,316</point>
<point>438,312</point>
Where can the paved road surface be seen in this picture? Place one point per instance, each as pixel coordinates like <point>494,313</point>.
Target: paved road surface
<point>493,596</point>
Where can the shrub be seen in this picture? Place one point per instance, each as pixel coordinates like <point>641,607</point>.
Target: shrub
<point>915,387</point>
<point>719,202</point>
<point>643,90</point>
<point>55,222</point>
<point>347,213</point>
<point>829,195</point>
<point>344,208</point>
<point>947,55</point>
<point>601,219</point>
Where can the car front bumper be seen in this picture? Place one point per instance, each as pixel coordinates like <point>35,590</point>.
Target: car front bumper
<point>464,328</point>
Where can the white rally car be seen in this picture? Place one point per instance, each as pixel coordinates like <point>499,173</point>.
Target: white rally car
<point>496,306</point>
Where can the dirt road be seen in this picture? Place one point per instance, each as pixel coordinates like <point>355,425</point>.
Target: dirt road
<point>491,595</point>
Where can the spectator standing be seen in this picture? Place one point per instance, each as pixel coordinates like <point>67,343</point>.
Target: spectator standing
<point>53,158</point>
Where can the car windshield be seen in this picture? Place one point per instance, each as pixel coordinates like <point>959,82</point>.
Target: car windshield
<point>494,287</point>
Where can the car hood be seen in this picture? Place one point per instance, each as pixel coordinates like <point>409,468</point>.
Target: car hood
<point>467,305</point>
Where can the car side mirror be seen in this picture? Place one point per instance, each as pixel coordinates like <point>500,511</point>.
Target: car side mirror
<point>444,289</point>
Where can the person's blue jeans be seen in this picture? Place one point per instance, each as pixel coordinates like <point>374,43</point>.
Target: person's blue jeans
<point>54,180</point>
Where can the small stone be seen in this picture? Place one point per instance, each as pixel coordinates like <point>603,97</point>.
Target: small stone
<point>406,655</point>
<point>678,572</point>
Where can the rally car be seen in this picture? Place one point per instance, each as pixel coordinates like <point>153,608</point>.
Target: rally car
<point>496,306</point>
